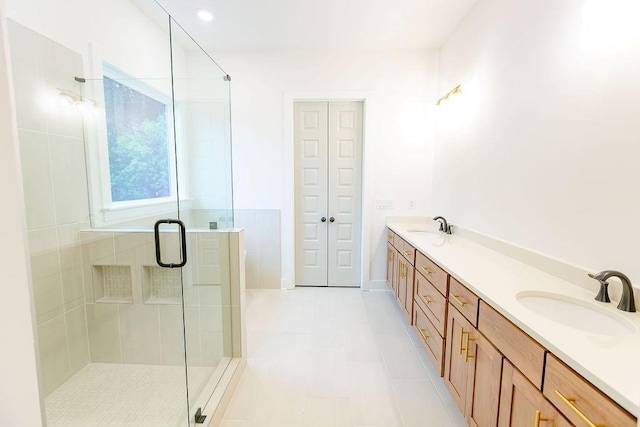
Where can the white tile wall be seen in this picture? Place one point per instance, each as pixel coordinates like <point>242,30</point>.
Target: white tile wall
<point>140,334</point>
<point>149,330</point>
<point>54,354</point>
<point>262,237</point>
<point>69,176</point>
<point>36,178</point>
<point>54,178</point>
<point>77,338</point>
<point>104,333</point>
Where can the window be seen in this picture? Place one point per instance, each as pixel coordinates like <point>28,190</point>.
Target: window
<point>137,139</point>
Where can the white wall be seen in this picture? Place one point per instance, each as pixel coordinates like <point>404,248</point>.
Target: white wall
<point>20,403</point>
<point>402,90</point>
<point>121,33</point>
<point>541,149</point>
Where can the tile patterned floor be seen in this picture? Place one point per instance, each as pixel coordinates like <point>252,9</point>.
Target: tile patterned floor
<point>118,395</point>
<point>322,357</point>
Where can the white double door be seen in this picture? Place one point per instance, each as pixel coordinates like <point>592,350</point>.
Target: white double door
<point>328,192</point>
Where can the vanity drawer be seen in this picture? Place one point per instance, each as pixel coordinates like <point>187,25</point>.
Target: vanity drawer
<point>433,273</point>
<point>430,338</point>
<point>390,236</point>
<point>522,350</point>
<point>465,301</point>
<point>582,398</point>
<point>432,303</point>
<point>407,251</point>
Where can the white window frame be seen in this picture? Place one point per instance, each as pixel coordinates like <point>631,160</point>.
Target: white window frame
<point>146,89</point>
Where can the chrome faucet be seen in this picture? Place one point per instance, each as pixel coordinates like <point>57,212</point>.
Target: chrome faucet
<point>627,302</point>
<point>444,226</point>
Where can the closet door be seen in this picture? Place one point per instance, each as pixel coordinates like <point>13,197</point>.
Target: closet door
<point>328,192</point>
<point>345,193</point>
<point>310,151</point>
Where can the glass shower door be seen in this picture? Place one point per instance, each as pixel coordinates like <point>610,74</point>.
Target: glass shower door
<point>135,246</point>
<point>203,140</point>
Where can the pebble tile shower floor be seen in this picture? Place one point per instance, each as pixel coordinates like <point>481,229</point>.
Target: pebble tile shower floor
<point>334,357</point>
<point>118,395</point>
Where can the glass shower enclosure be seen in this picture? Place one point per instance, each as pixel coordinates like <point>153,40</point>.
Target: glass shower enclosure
<point>125,137</point>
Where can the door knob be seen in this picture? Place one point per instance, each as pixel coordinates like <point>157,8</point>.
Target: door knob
<point>323,219</point>
<point>332,219</point>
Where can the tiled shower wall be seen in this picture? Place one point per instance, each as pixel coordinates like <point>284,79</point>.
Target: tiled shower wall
<point>262,229</point>
<point>134,311</point>
<point>262,241</point>
<point>54,177</point>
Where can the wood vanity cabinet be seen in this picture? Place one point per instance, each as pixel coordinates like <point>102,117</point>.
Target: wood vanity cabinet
<point>432,340</point>
<point>580,401</point>
<point>432,303</point>
<point>405,261</point>
<point>473,370</point>
<point>523,351</point>
<point>483,386</point>
<point>496,373</point>
<point>391,261</point>
<point>456,366</point>
<point>522,404</point>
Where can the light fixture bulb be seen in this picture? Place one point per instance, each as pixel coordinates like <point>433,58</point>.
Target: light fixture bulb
<point>205,15</point>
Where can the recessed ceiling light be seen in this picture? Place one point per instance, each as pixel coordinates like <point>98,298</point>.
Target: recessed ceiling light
<point>205,15</point>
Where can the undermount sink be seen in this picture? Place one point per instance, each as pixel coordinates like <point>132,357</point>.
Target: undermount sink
<point>416,230</point>
<point>576,313</point>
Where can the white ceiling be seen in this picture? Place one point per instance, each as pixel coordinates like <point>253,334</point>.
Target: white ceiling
<point>320,24</point>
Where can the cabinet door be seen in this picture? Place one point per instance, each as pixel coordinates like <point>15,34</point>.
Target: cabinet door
<point>456,368</point>
<point>395,279</point>
<point>403,267</point>
<point>391,257</point>
<point>408,296</point>
<point>484,379</point>
<point>522,404</point>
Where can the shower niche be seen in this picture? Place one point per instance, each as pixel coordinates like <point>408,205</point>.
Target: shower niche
<point>112,284</point>
<point>161,285</point>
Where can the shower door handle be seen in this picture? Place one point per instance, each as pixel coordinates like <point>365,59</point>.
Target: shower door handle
<point>183,242</point>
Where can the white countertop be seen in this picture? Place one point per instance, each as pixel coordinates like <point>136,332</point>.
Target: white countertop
<point>611,363</point>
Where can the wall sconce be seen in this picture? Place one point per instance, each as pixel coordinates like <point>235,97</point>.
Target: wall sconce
<point>70,99</point>
<point>453,91</point>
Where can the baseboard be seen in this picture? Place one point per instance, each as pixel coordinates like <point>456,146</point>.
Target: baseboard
<point>375,285</point>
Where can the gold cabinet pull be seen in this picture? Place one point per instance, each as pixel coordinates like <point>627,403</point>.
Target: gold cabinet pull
<point>426,270</point>
<point>422,333</point>
<point>466,348</point>
<point>570,402</point>
<point>538,418</point>
<point>455,297</point>
<point>424,298</point>
<point>407,253</point>
<point>403,271</point>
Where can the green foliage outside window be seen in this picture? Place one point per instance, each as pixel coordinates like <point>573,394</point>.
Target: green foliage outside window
<point>138,144</point>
